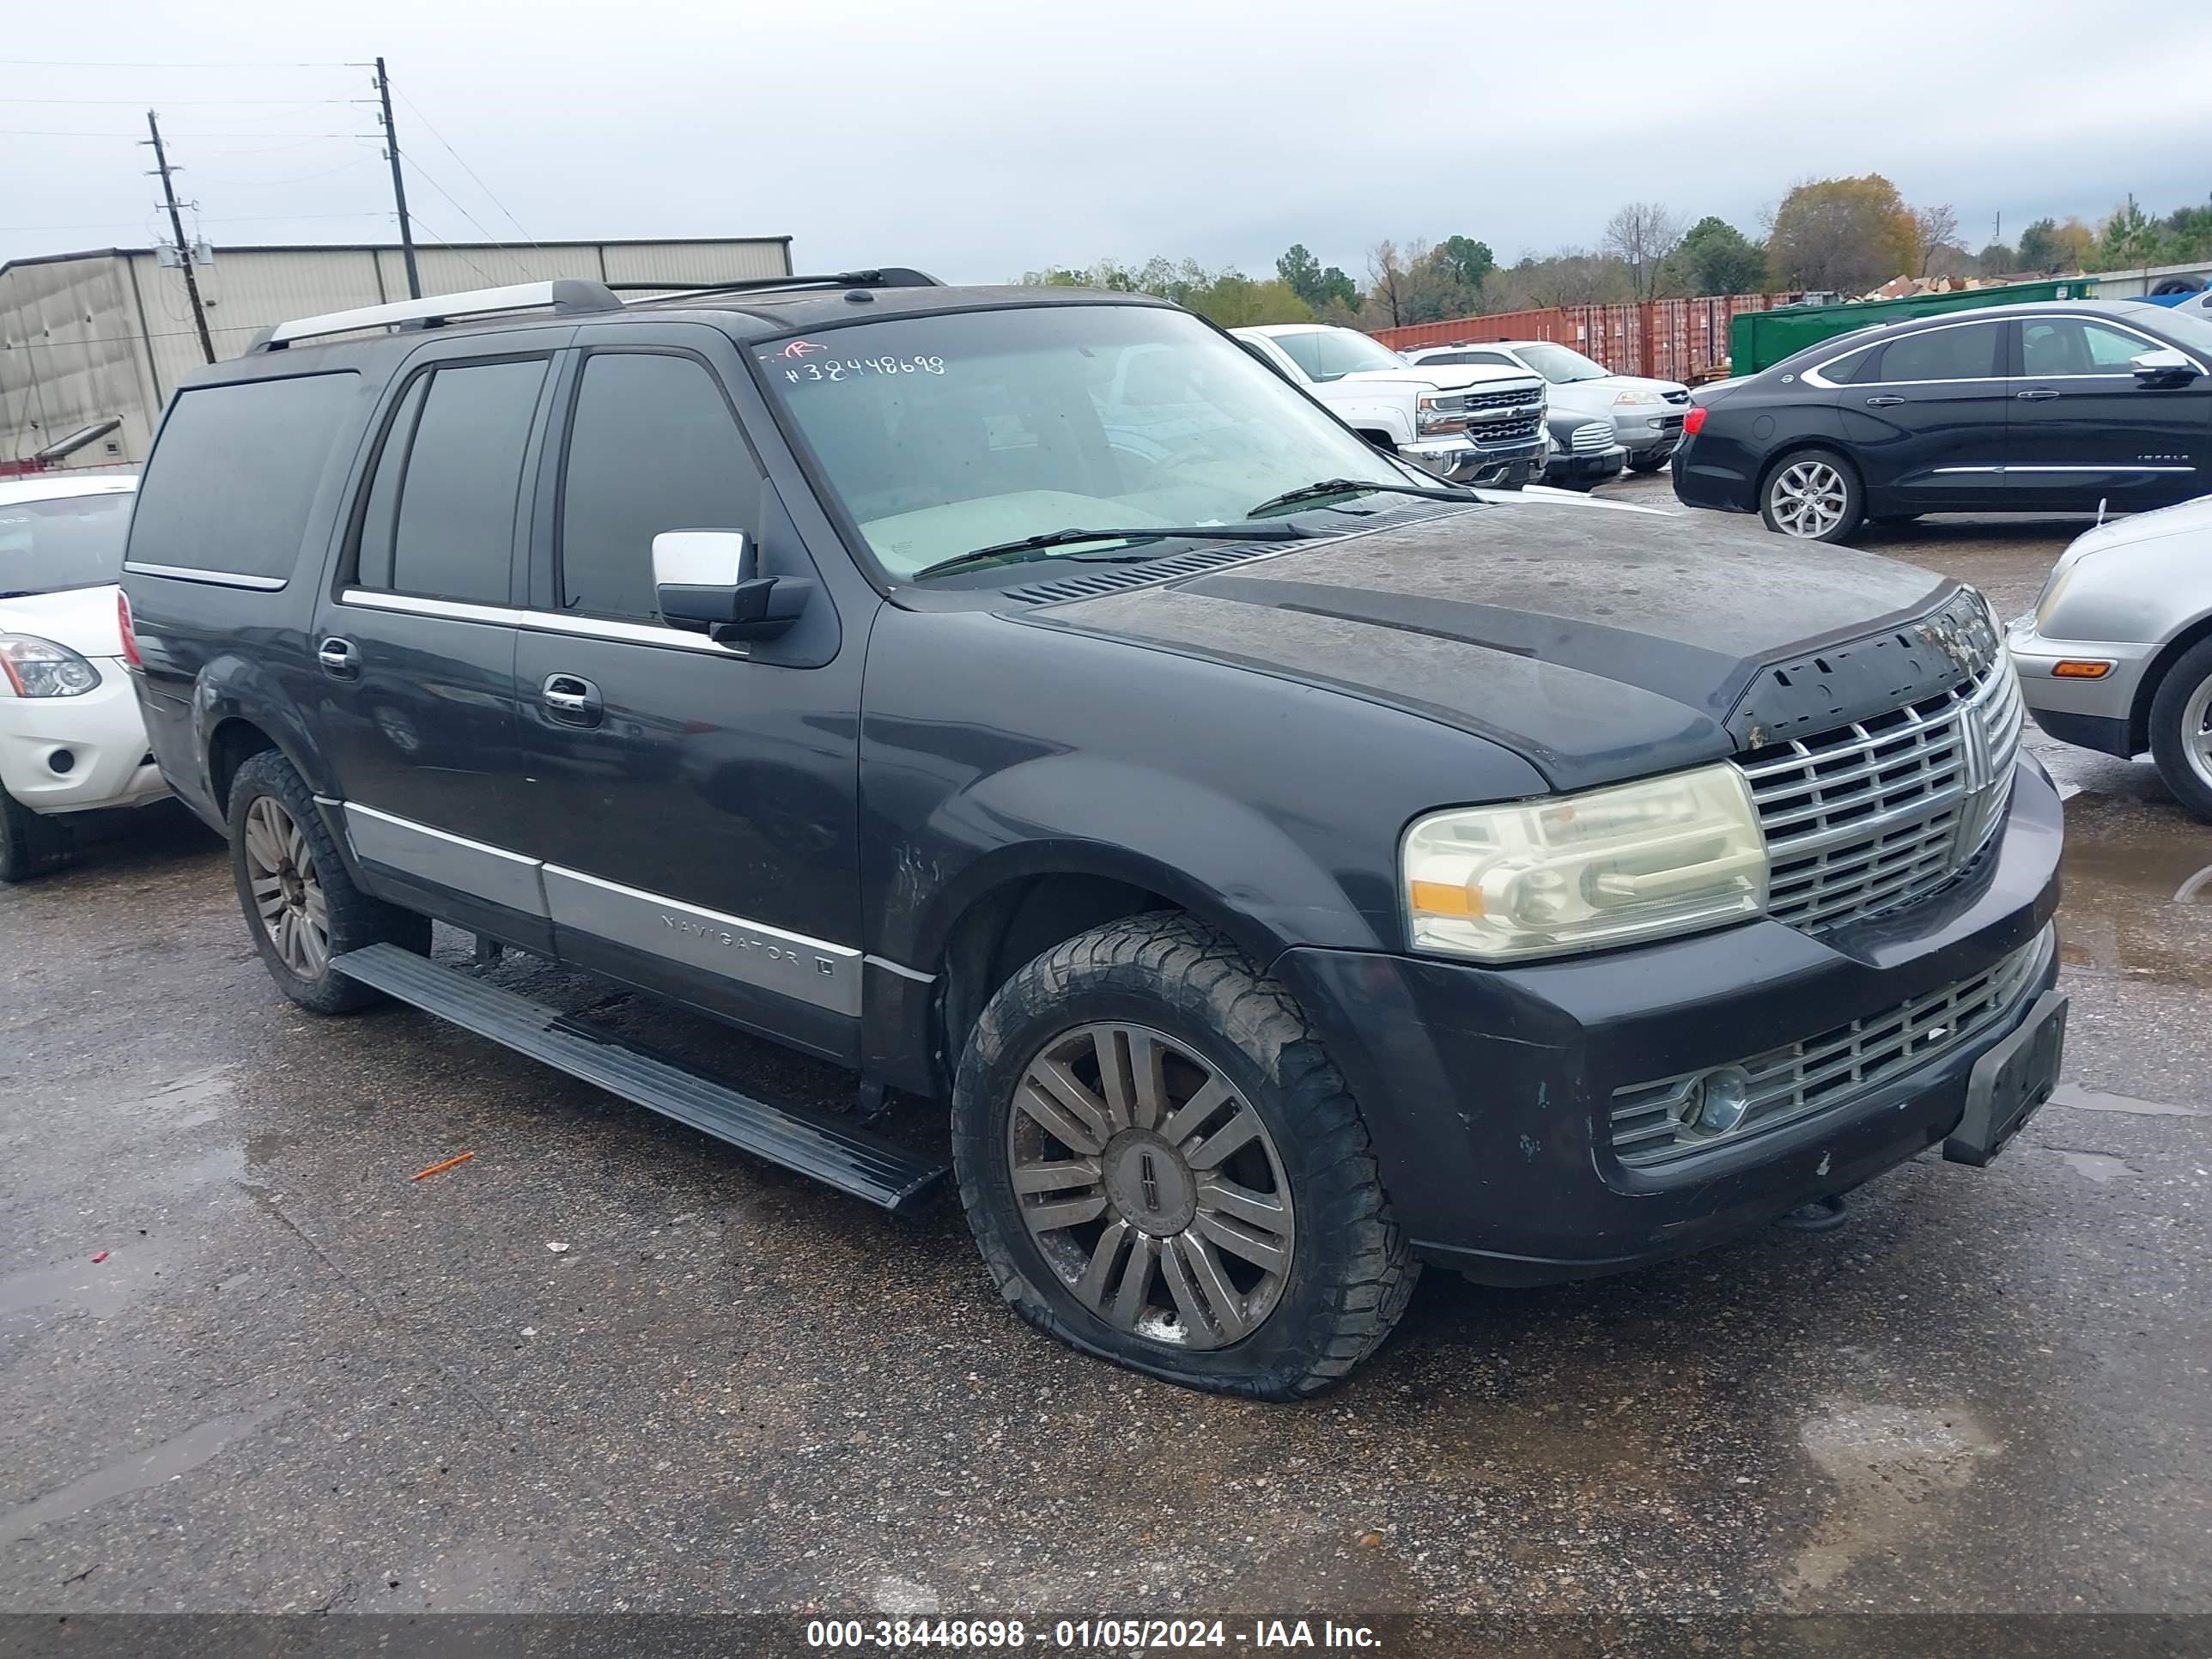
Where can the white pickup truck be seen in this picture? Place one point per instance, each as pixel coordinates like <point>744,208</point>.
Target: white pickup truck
<point>1469,424</point>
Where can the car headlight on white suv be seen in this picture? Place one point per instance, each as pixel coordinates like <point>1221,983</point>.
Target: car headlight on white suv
<point>33,667</point>
<point>1619,865</point>
<point>1637,395</point>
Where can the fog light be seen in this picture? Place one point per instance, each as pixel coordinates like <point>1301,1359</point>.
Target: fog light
<point>1714,1104</point>
<point>61,762</point>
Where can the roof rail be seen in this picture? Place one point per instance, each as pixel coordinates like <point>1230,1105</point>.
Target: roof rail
<point>882,277</point>
<point>567,295</point>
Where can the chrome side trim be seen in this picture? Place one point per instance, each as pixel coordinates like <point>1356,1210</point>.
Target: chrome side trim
<point>213,578</point>
<point>809,970</point>
<point>903,972</point>
<point>455,610</point>
<point>1969,469</point>
<point>436,855</point>
<point>2109,467</point>
<point>629,633</point>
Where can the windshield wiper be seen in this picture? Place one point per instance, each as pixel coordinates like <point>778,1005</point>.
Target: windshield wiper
<point>1032,547</point>
<point>1346,486</point>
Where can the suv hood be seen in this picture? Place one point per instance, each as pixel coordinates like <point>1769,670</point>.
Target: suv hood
<point>1600,645</point>
<point>1444,377</point>
<point>82,618</point>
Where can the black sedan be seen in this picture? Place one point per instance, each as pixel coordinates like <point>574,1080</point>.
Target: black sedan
<point>2005,408</point>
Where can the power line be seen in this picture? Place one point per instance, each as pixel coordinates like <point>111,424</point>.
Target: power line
<point>89,63</point>
<point>465,167</point>
<point>180,103</point>
<point>499,243</point>
<point>489,280</point>
<point>61,132</point>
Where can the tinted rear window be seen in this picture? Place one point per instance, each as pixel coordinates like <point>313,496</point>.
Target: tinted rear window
<point>63,541</point>
<point>231,482</point>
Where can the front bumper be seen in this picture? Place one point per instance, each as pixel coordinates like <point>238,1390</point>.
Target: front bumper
<point>2096,714</point>
<point>1489,1092</point>
<point>77,754</point>
<point>1575,465</point>
<point>1647,432</point>
<point>1461,460</point>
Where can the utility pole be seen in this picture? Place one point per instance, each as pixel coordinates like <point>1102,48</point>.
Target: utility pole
<point>398,185</point>
<point>177,229</point>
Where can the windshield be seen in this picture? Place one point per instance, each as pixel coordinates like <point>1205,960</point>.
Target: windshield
<point>63,541</point>
<point>943,434</point>
<point>1560,365</point>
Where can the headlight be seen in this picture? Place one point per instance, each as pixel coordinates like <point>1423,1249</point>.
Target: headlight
<point>1576,872</point>
<point>1637,395</point>
<point>1429,420</point>
<point>39,668</point>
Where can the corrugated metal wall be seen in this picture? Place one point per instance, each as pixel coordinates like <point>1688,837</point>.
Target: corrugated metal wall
<point>110,334</point>
<point>1668,339</point>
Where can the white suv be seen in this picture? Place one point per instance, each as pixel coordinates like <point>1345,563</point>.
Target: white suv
<point>70,736</point>
<point>1646,414</point>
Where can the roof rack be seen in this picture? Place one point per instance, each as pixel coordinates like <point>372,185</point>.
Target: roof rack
<point>567,297</point>
<point>882,277</point>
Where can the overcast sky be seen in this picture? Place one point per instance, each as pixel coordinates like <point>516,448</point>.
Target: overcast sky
<point>976,138</point>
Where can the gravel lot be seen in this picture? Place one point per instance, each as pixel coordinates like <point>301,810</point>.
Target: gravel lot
<point>608,1363</point>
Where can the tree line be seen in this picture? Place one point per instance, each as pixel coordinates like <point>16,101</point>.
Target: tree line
<point>1846,236</point>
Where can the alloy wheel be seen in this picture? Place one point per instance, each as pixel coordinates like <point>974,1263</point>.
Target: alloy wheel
<point>1807,498</point>
<point>1151,1185</point>
<point>288,895</point>
<point>2196,730</point>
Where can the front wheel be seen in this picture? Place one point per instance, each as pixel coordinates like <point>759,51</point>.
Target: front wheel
<point>2181,729</point>
<point>1814,496</point>
<point>30,845</point>
<point>1648,464</point>
<point>301,904</point>
<point>1163,1167</point>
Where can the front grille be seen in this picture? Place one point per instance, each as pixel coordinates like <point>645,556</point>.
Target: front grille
<point>1834,1068</point>
<point>1487,434</point>
<point>1669,423</point>
<point>1511,397</point>
<point>1872,816</point>
<point>1592,437</point>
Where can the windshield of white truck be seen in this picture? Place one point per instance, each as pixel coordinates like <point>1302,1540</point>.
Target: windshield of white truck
<point>942,435</point>
<point>63,541</point>
<point>1561,366</point>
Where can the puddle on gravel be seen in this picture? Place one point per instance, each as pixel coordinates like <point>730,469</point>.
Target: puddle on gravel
<point>1892,1467</point>
<point>2100,1167</point>
<point>102,1289</point>
<point>166,1461</point>
<point>2137,892</point>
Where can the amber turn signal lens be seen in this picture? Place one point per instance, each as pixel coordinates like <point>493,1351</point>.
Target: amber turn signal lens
<point>1441,898</point>
<point>2081,671</point>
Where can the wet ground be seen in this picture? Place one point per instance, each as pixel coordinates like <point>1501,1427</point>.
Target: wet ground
<point>245,1362</point>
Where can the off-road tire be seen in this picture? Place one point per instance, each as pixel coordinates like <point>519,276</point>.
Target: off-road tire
<point>1352,1271</point>
<point>2169,741</point>
<point>356,919</point>
<point>31,845</point>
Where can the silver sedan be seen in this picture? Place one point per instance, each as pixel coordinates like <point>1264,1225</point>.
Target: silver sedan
<point>2117,655</point>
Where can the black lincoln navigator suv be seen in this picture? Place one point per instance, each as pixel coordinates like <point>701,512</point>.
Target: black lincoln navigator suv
<point>1289,870</point>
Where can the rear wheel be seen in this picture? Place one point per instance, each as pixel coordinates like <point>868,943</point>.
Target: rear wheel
<point>2181,729</point>
<point>300,906</point>
<point>1648,464</point>
<point>30,845</point>
<point>1813,495</point>
<point>1163,1167</point>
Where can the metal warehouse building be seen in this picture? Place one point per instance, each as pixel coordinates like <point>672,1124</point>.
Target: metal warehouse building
<point>106,335</point>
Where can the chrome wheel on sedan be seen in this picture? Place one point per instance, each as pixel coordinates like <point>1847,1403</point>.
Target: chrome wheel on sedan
<point>2197,732</point>
<point>1808,499</point>
<point>288,894</point>
<point>1151,1185</point>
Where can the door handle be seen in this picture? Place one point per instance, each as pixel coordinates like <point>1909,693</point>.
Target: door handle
<point>340,658</point>
<point>1883,402</point>
<point>2042,394</point>
<point>571,700</point>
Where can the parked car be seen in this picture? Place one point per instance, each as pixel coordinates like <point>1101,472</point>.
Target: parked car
<point>2117,655</point>
<point>1646,415</point>
<point>1475,426</point>
<point>1584,453</point>
<point>1290,870</point>
<point>71,739</point>
<point>2056,408</point>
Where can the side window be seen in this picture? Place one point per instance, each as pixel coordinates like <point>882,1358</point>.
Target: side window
<point>2053,346</point>
<point>652,446</point>
<point>439,518</point>
<point>1845,369</point>
<point>2111,351</point>
<point>1303,349</point>
<point>1969,352</point>
<point>1455,357</point>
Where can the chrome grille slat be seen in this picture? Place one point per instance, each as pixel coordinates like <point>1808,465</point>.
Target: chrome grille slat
<point>1875,814</point>
<point>1835,1066</point>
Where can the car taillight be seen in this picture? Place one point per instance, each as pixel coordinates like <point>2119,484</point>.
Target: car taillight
<point>130,640</point>
<point>1693,422</point>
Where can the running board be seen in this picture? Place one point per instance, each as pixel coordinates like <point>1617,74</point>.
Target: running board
<point>811,1143</point>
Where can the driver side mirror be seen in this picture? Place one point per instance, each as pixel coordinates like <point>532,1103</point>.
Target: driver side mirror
<point>2164,367</point>
<point>709,581</point>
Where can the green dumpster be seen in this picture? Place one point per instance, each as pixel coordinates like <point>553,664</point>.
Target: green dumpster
<point>1760,339</point>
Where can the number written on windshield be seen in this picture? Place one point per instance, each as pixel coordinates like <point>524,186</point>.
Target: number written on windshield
<point>846,369</point>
